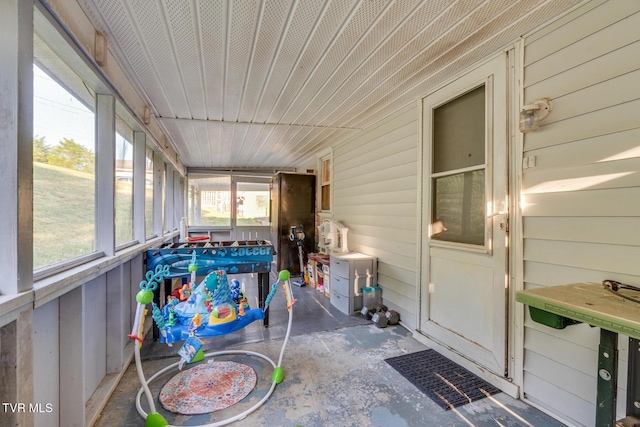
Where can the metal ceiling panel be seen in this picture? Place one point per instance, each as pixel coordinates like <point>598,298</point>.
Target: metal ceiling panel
<point>269,83</point>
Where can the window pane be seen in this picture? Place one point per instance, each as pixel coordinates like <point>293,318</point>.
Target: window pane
<point>326,198</point>
<point>124,190</point>
<point>63,173</point>
<point>459,132</point>
<point>210,200</point>
<point>252,205</point>
<point>459,208</point>
<point>326,170</point>
<point>148,193</point>
<point>165,220</point>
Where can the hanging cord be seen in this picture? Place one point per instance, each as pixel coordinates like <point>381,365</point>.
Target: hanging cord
<point>614,286</point>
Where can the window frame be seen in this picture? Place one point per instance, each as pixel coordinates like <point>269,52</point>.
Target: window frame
<point>428,122</point>
<point>325,181</point>
<point>72,60</point>
<point>120,129</point>
<point>235,179</point>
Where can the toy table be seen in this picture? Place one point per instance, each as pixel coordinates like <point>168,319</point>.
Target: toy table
<point>561,306</point>
<point>232,257</point>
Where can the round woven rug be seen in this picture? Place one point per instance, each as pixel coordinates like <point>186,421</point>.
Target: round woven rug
<point>207,387</point>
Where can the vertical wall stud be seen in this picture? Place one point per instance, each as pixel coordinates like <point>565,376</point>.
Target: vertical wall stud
<point>16,140</point>
<point>139,185</point>
<point>105,173</point>
<point>158,193</point>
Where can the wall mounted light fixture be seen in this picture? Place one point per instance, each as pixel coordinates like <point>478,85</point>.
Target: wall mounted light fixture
<point>532,114</point>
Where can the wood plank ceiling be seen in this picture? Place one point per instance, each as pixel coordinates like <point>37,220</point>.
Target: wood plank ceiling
<point>269,83</point>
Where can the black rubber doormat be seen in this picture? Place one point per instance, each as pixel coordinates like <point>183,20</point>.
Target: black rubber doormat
<point>445,382</point>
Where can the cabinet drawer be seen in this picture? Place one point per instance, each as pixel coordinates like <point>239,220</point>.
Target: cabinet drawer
<point>345,304</point>
<point>340,284</point>
<point>340,302</point>
<point>339,267</point>
<point>352,264</point>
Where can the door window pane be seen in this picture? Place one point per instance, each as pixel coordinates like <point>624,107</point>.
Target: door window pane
<point>252,203</point>
<point>124,190</point>
<point>458,132</point>
<point>210,200</point>
<point>459,202</point>
<point>459,214</point>
<point>63,173</point>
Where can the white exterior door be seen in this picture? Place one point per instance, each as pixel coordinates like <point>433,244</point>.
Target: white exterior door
<point>464,283</point>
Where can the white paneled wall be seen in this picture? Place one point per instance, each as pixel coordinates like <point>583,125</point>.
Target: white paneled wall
<point>375,196</point>
<point>581,212</point>
<point>81,345</point>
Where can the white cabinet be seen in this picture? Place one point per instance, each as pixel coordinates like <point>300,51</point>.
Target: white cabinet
<point>350,272</point>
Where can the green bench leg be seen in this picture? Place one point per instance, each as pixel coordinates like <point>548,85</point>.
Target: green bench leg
<point>607,379</point>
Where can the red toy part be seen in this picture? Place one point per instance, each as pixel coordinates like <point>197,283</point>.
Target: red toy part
<point>135,337</point>
<point>197,238</point>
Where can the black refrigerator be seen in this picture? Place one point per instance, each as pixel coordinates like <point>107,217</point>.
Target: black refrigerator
<point>293,203</point>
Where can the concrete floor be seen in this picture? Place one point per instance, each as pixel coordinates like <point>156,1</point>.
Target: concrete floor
<point>335,374</point>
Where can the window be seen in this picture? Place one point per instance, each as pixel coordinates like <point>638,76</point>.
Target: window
<point>124,188</point>
<point>325,184</point>
<point>209,200</point>
<point>458,170</point>
<point>63,168</point>
<point>252,203</point>
<point>66,219</point>
<point>148,192</point>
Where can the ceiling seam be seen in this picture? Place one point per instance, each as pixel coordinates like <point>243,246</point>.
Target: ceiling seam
<point>253,123</point>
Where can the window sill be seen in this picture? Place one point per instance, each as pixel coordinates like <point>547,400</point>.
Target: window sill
<point>12,305</point>
<point>205,228</point>
<point>56,285</point>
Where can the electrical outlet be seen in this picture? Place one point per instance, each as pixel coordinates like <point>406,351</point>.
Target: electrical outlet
<point>529,162</point>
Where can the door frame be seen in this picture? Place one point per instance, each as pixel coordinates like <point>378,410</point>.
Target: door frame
<point>515,313</point>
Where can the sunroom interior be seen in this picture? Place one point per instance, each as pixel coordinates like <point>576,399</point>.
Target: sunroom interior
<point>128,125</point>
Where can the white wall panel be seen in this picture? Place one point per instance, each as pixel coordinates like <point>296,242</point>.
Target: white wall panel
<point>94,310</point>
<point>375,195</point>
<point>46,361</point>
<point>580,202</point>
